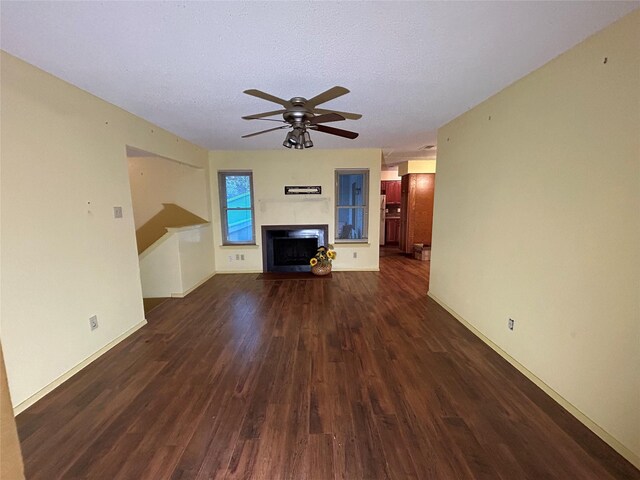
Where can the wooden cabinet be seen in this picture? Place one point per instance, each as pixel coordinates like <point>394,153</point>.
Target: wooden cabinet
<point>391,188</point>
<point>393,192</point>
<point>391,231</point>
<point>416,215</point>
<point>383,187</point>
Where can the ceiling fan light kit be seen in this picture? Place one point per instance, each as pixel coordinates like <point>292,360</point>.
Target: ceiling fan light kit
<point>306,140</point>
<point>301,115</point>
<point>287,141</point>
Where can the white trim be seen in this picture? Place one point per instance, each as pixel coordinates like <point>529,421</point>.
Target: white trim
<point>166,236</point>
<point>21,407</point>
<point>573,410</point>
<point>238,271</point>
<point>195,226</point>
<point>184,294</point>
<point>358,269</point>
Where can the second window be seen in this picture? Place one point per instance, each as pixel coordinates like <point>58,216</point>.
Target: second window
<point>352,205</point>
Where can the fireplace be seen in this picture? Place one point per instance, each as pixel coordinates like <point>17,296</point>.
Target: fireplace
<point>288,248</point>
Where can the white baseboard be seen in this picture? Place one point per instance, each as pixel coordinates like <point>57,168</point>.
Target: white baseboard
<point>573,410</point>
<point>355,269</point>
<point>21,407</point>
<point>226,272</point>
<point>184,294</point>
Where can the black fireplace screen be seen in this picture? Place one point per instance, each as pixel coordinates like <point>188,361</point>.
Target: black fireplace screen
<point>293,251</point>
<point>288,248</point>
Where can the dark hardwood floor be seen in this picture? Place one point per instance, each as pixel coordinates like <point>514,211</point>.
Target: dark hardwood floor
<point>359,376</point>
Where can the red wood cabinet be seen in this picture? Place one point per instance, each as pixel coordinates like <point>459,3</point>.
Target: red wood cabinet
<point>391,188</point>
<point>394,195</point>
<point>392,230</point>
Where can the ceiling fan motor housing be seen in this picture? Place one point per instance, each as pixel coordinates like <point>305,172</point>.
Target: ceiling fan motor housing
<point>297,113</point>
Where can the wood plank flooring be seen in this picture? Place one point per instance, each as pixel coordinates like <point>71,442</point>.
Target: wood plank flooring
<point>361,376</point>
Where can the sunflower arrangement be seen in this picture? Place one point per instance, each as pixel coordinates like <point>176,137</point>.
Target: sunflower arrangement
<point>323,256</point>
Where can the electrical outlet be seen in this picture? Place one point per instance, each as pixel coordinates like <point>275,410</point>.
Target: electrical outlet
<point>117,212</point>
<point>242,256</point>
<point>93,322</point>
<point>230,258</point>
<point>511,323</point>
<point>355,254</point>
<point>237,256</point>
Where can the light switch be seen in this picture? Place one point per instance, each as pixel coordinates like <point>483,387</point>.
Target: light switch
<point>117,212</point>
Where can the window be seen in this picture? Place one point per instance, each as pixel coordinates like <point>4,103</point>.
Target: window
<point>352,205</point>
<point>236,207</point>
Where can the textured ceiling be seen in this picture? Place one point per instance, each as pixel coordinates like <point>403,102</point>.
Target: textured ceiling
<point>410,66</point>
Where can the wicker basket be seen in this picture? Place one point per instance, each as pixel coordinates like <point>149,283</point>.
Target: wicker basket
<point>321,269</point>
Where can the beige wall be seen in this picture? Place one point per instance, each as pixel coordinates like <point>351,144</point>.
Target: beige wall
<point>64,257</point>
<point>160,268</point>
<point>390,175</point>
<point>537,218</point>
<point>272,170</point>
<point>179,262</point>
<point>417,166</point>
<point>156,180</point>
<point>11,466</point>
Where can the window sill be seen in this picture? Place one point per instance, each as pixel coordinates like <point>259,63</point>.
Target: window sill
<point>351,242</point>
<point>240,245</point>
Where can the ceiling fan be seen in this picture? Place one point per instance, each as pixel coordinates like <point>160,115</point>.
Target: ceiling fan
<point>302,115</point>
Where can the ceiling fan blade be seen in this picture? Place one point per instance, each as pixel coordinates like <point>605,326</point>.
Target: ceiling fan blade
<point>330,94</point>
<point>265,131</point>
<point>335,131</point>
<point>329,117</point>
<point>264,114</point>
<point>268,97</point>
<point>350,116</point>
<point>266,119</point>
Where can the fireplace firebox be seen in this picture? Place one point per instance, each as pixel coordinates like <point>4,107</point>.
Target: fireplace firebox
<point>288,248</point>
